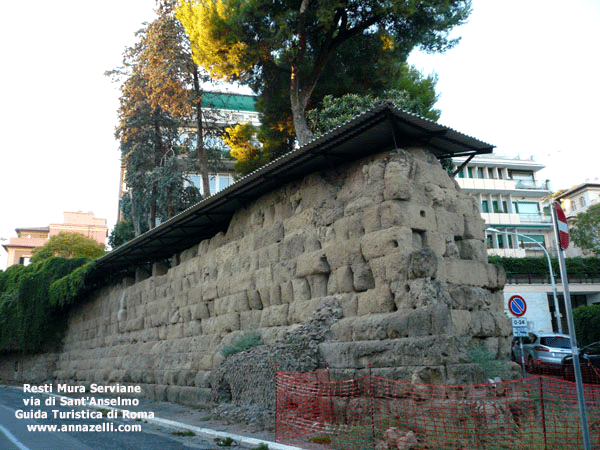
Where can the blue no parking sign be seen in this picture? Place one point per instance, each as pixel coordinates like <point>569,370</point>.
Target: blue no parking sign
<point>517,305</point>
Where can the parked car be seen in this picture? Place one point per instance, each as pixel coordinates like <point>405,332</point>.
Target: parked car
<point>589,362</point>
<point>542,351</point>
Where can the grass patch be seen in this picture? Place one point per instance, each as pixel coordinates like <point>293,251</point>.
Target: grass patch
<point>224,442</point>
<point>243,342</point>
<point>184,433</point>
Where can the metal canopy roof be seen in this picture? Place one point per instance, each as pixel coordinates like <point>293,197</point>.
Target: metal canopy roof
<point>382,128</point>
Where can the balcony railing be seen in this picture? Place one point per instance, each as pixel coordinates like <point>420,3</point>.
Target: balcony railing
<point>527,184</point>
<point>535,218</point>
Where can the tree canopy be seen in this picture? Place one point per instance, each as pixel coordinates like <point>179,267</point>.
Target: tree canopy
<point>585,230</point>
<point>267,44</point>
<point>161,127</point>
<point>68,245</point>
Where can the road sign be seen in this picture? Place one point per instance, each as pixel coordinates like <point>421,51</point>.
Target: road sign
<point>563,227</point>
<point>520,327</point>
<point>517,305</point>
<point>520,332</point>
<point>519,322</point>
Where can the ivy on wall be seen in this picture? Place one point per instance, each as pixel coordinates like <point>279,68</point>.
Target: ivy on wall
<point>34,301</point>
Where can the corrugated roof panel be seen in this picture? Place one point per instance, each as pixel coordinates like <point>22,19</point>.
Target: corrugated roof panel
<point>382,128</point>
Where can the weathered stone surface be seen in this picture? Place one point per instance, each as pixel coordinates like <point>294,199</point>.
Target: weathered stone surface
<point>379,261</point>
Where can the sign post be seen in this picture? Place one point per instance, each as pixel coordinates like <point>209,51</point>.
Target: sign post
<point>520,330</point>
<point>561,231</point>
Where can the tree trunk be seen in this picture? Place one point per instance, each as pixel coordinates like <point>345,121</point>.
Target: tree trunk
<point>298,101</point>
<point>200,150</point>
<point>134,215</point>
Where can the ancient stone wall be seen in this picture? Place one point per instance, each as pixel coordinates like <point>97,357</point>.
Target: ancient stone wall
<point>390,239</point>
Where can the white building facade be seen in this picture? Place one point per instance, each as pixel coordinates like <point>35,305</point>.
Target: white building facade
<point>509,195</point>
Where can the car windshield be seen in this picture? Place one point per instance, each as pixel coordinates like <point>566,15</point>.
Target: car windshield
<point>556,341</point>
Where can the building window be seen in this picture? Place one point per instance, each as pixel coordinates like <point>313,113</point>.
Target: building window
<point>526,243</point>
<point>527,208</point>
<point>496,206</point>
<point>480,172</point>
<point>484,206</point>
<point>217,182</point>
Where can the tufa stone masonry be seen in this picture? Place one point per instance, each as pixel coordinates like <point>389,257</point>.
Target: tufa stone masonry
<point>390,241</point>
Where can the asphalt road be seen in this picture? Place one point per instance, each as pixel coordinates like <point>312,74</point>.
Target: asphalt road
<point>19,433</point>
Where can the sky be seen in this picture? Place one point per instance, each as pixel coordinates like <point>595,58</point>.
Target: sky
<point>524,77</point>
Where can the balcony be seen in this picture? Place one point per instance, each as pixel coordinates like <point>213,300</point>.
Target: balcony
<point>528,184</point>
<point>495,185</point>
<point>516,219</point>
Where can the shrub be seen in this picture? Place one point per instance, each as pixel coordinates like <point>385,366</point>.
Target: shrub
<point>243,342</point>
<point>587,324</point>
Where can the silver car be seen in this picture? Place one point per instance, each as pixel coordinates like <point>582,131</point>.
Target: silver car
<point>542,351</point>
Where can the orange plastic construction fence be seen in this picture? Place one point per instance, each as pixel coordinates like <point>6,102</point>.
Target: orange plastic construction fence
<point>536,412</point>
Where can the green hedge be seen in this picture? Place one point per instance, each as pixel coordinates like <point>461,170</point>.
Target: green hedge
<point>34,300</point>
<point>576,267</point>
<point>587,324</point>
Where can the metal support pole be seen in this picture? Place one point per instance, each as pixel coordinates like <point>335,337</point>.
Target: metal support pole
<point>574,349</point>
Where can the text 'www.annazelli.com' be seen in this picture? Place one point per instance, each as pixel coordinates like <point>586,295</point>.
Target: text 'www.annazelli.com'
<point>105,427</point>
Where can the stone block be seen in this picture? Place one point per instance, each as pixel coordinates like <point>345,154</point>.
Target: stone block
<point>318,285</point>
<point>286,290</point>
<point>232,303</point>
<point>343,253</point>
<point>384,242</point>
<point>274,316</point>
<point>469,297</point>
<point>341,280</point>
<point>377,300</point>
<point>362,277</point>
<point>221,324</point>
<point>254,299</point>
<point>250,320</point>
<point>371,218</point>
<point>192,328</point>
<point>292,246</point>
<point>301,311</point>
<point>422,263</point>
<point>199,311</point>
<point>449,222</point>
<point>473,249</point>
<point>312,263</point>
<point>397,179</point>
<point>358,205</point>
<point>467,272</point>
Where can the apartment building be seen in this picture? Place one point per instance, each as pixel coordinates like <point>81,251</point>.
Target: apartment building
<point>20,249</point>
<point>509,193</point>
<point>220,109</point>
<point>575,201</point>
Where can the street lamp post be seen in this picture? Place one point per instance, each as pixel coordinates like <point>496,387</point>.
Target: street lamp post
<point>556,310</point>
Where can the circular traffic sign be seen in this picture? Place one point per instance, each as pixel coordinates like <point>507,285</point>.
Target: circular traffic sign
<point>517,305</point>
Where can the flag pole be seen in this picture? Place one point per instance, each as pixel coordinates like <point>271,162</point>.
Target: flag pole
<point>561,243</point>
